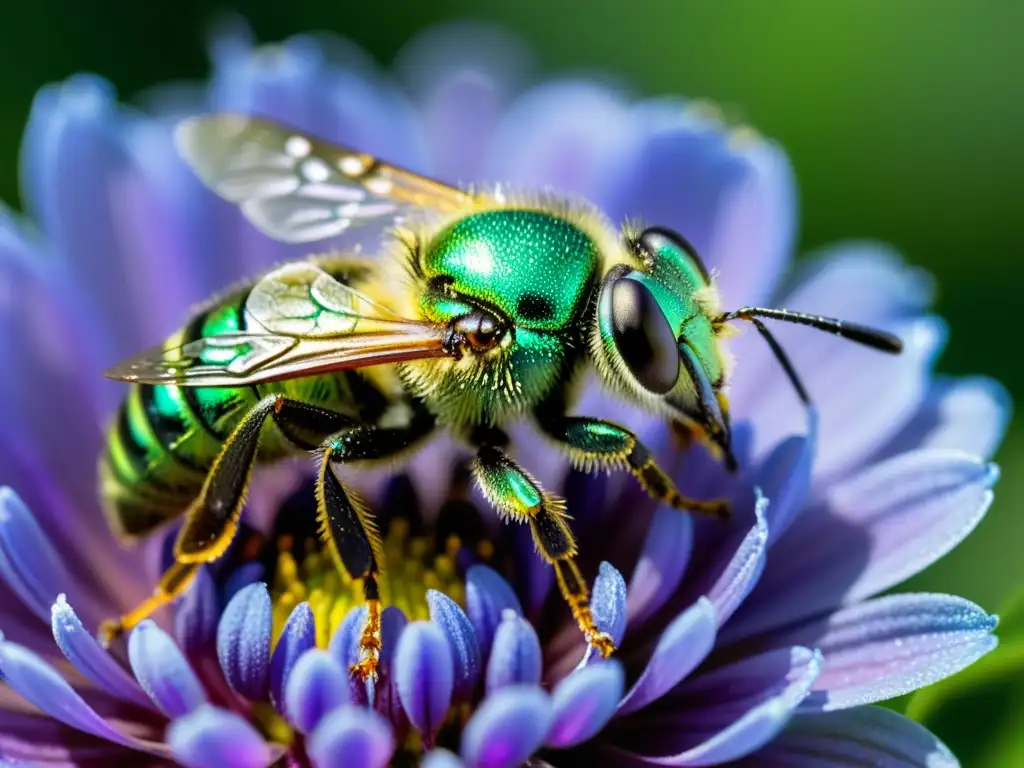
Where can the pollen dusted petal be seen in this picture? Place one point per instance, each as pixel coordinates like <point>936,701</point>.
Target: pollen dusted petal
<point>508,727</point>
<point>352,736</point>
<point>516,654</point>
<point>424,676</point>
<point>215,738</point>
<point>243,641</point>
<point>465,648</point>
<point>608,602</point>
<point>317,685</point>
<point>583,703</point>
<point>297,637</point>
<point>741,573</point>
<point>488,595</point>
<point>163,671</point>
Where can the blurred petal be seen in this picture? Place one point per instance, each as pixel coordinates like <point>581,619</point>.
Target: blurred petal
<point>89,658</point>
<point>854,737</point>
<point>317,685</point>
<point>440,758</point>
<point>729,192</point>
<point>893,645</point>
<point>243,641</point>
<point>39,740</point>
<point>488,595</point>
<point>345,643</point>
<point>465,649</point>
<point>582,150</point>
<point>352,736</point>
<point>728,713</point>
<point>583,702</point>
<point>297,637</point>
<point>215,738</point>
<point>508,727</point>
<point>43,687</point>
<point>683,645</point>
<point>424,675</point>
<point>195,619</point>
<point>963,414</point>
<point>608,602</point>
<point>876,529</point>
<point>662,563</point>
<point>240,578</point>
<point>516,655</point>
<point>785,477</point>
<point>28,562</point>
<point>163,672</point>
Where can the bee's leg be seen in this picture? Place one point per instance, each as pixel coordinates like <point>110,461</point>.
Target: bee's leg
<point>212,520</point>
<point>597,442</point>
<point>517,495</point>
<point>348,528</point>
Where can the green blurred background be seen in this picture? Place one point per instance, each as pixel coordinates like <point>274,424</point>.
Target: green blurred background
<point>904,120</point>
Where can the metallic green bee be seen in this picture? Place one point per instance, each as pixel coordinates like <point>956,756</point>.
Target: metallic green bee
<point>485,307</point>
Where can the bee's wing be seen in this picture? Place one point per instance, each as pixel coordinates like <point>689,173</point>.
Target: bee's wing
<point>299,189</point>
<point>300,322</point>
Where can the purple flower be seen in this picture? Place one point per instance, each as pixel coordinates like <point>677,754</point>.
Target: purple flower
<point>757,642</point>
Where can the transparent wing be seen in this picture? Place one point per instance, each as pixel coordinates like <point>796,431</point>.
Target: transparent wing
<point>300,322</point>
<point>298,189</point>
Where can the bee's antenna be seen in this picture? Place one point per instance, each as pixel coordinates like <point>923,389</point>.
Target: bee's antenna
<point>871,337</point>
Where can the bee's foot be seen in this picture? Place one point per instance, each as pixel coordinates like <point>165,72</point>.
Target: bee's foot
<point>109,630</point>
<point>718,508</point>
<point>365,669</point>
<point>603,642</point>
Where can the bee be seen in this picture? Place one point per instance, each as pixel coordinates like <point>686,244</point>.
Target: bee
<point>484,307</point>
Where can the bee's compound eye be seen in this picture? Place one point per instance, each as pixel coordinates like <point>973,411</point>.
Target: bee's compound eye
<point>480,329</point>
<point>643,336</point>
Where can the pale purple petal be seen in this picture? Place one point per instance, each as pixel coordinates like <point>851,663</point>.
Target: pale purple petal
<point>215,738</point>
<point>317,685</point>
<point>352,736</point>
<point>876,529</point>
<point>488,595</point>
<point>440,758</point>
<point>608,602</point>
<point>297,637</point>
<point>683,645</point>
<point>467,664</point>
<point>892,645</point>
<point>516,654</point>
<point>730,192</point>
<point>163,671</point>
<point>344,644</point>
<point>583,702</point>
<point>243,641</point>
<point>507,728</point>
<point>196,616</point>
<point>853,738</point>
<point>424,675</point>
<point>741,573</point>
<point>661,565</point>
<point>43,687</point>
<point>89,658</point>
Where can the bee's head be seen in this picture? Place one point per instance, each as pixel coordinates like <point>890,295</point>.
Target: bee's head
<point>654,339</point>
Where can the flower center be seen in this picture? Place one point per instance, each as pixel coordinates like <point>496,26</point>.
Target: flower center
<point>412,565</point>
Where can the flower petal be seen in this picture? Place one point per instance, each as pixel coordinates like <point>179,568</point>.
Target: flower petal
<point>386,699</point>
<point>488,595</point>
<point>43,687</point>
<point>465,649</point>
<point>852,738</point>
<point>297,637</point>
<point>730,192</point>
<point>743,570</point>
<point>352,736</point>
<point>516,655</point>
<point>508,727</point>
<point>89,658</point>
<point>316,686</point>
<point>163,671</point>
<point>243,641</point>
<point>215,738</point>
<point>875,530</point>
<point>344,644</point>
<point>893,645</point>
<point>195,619</point>
<point>28,562</point>
<point>785,477</point>
<point>683,645</point>
<point>728,713</point>
<point>608,602</point>
<point>440,758</point>
<point>583,702</point>
<point>424,674</point>
<point>661,565</point>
